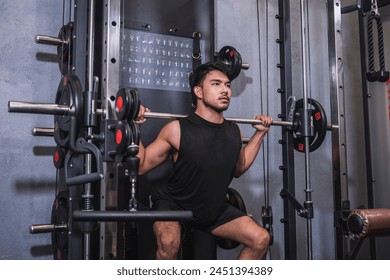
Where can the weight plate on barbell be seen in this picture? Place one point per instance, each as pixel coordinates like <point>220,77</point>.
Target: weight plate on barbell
<point>137,104</point>
<point>234,198</point>
<point>319,122</point>
<point>127,104</point>
<point>232,58</point>
<point>69,93</point>
<point>123,103</point>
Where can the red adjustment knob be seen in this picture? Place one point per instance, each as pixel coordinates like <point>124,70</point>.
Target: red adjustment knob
<point>118,136</point>
<point>59,157</point>
<point>119,103</point>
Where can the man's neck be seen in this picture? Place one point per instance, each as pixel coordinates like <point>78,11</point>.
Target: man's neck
<point>210,115</point>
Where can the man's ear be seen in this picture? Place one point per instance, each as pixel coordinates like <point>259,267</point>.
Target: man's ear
<point>198,91</point>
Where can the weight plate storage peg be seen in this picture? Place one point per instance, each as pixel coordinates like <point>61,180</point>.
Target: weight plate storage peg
<point>64,46</point>
<point>318,125</point>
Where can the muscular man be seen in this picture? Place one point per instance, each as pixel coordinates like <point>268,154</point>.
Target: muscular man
<point>207,152</point>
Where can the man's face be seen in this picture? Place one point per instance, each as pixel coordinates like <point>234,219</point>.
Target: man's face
<point>216,91</point>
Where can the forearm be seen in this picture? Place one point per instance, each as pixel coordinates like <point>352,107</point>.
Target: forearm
<point>249,153</point>
<point>141,156</point>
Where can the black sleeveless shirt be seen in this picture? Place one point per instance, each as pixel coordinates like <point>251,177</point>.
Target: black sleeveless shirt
<point>205,166</point>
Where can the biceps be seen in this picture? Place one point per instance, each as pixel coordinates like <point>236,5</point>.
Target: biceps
<point>156,153</point>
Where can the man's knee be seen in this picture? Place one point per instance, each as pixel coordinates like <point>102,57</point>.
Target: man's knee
<point>168,240</point>
<point>261,240</point>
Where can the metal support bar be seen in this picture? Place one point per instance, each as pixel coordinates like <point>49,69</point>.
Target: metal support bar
<point>287,141</point>
<point>126,216</point>
<point>339,143</point>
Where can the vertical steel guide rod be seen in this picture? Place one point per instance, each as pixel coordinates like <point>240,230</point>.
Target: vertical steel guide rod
<point>306,89</point>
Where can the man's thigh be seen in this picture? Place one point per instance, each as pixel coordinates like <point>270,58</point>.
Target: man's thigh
<point>243,229</point>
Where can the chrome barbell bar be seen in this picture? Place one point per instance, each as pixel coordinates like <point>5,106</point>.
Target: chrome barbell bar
<point>156,115</point>
<point>288,124</point>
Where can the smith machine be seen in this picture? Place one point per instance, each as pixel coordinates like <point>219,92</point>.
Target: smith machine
<point>91,135</point>
<point>361,223</point>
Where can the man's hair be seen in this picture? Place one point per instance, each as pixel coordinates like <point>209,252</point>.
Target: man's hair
<point>198,75</point>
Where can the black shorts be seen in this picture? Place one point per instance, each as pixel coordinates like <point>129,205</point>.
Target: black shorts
<point>229,214</point>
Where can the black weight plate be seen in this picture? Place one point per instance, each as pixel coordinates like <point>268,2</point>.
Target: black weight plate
<point>69,93</point>
<point>62,122</point>
<point>319,123</point>
<point>122,136</point>
<point>59,215</point>
<point>135,106</point>
<point>232,58</point>
<point>235,199</point>
<point>64,51</point>
<point>123,103</point>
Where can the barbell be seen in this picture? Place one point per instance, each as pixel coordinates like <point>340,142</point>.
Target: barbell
<point>69,104</point>
<point>127,105</point>
<point>156,115</point>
